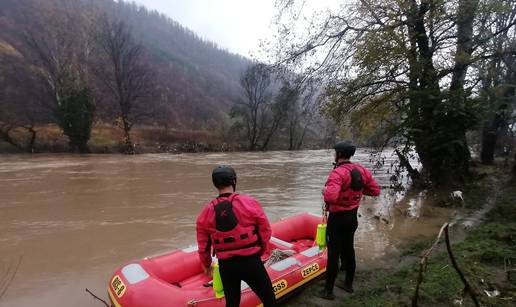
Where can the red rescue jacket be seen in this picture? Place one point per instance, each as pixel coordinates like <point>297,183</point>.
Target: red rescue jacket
<point>337,191</point>
<point>250,236</point>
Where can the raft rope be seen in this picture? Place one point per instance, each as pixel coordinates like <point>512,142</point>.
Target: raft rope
<point>324,212</point>
<point>277,255</point>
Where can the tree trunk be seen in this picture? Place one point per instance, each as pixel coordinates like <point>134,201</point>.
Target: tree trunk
<point>465,16</point>
<point>302,137</point>
<point>268,137</point>
<point>275,125</point>
<point>456,158</point>
<point>291,135</point>
<point>497,125</point>
<point>426,130</point>
<point>514,169</point>
<point>83,148</point>
<point>32,141</point>
<point>128,144</point>
<point>404,162</point>
<point>78,146</point>
<point>439,137</point>
<point>252,131</point>
<point>490,133</point>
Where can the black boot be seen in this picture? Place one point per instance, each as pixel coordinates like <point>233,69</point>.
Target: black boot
<point>344,286</point>
<point>325,294</point>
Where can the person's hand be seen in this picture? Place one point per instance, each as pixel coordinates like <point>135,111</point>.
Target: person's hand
<point>208,271</point>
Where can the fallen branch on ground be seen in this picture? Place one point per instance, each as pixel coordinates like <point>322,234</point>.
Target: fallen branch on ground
<point>424,261</point>
<point>467,286</point>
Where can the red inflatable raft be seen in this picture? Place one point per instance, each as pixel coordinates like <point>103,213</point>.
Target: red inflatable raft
<point>176,278</point>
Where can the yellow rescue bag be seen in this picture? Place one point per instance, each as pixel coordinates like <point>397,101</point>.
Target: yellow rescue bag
<point>320,238</point>
<point>217,282</point>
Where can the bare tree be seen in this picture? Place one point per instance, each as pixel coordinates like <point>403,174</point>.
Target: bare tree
<point>125,74</point>
<point>498,78</point>
<point>301,109</point>
<point>254,108</point>
<point>60,49</point>
<point>278,111</point>
<point>20,113</point>
<point>264,114</point>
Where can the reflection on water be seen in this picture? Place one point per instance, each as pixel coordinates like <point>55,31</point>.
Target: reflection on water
<point>75,219</point>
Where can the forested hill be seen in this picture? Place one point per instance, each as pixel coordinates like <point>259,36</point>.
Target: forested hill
<point>195,81</point>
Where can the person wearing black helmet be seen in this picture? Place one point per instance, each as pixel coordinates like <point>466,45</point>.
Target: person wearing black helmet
<point>237,230</point>
<point>342,194</point>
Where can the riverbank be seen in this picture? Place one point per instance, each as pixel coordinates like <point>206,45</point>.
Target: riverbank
<point>484,247</point>
<point>108,139</point>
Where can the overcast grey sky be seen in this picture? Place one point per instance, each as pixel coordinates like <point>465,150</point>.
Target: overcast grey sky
<point>236,25</point>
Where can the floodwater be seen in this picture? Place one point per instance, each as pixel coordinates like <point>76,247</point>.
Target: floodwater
<point>69,221</point>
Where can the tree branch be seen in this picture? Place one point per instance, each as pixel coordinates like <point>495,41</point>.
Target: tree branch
<point>456,267</point>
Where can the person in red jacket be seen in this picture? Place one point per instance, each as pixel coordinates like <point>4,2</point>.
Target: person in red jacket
<point>342,194</point>
<point>237,230</point>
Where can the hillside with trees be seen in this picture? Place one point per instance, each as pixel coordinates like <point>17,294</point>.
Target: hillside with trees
<point>44,44</point>
<point>77,70</point>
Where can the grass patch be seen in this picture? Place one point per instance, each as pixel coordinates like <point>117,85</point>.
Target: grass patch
<point>415,246</point>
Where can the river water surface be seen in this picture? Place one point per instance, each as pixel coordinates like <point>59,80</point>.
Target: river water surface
<point>70,221</point>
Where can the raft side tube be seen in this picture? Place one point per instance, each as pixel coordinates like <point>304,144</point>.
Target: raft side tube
<point>173,268</point>
<point>299,227</point>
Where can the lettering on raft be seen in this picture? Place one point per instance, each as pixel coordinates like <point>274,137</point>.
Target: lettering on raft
<point>279,286</point>
<point>118,286</point>
<point>310,270</point>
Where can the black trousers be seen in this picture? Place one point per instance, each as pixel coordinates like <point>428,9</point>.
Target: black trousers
<point>340,234</point>
<point>251,270</point>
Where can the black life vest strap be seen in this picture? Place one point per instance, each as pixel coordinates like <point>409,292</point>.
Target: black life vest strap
<point>242,247</point>
<point>232,239</point>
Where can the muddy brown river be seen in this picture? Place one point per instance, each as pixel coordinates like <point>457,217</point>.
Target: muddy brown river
<point>69,220</point>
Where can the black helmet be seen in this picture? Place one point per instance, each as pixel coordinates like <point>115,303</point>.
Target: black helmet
<point>346,148</point>
<point>223,176</point>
